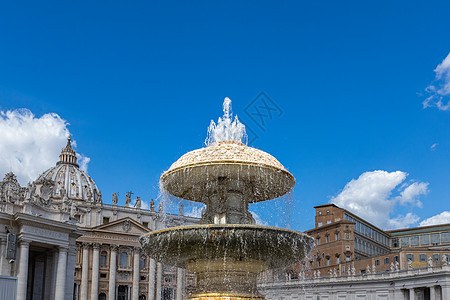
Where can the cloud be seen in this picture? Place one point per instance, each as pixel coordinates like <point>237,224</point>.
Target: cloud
<point>403,221</point>
<point>442,218</point>
<point>411,193</point>
<point>370,197</point>
<point>434,146</point>
<point>439,89</point>
<point>29,145</point>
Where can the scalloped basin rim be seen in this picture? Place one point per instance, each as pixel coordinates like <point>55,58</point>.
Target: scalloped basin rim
<point>183,245</point>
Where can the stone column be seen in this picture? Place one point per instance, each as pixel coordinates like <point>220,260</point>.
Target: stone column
<point>180,284</point>
<point>432,292</point>
<point>95,269</point>
<point>4,267</point>
<point>22,275</point>
<point>158,281</point>
<point>85,272</point>
<point>151,279</point>
<point>61,273</point>
<point>445,292</point>
<point>112,272</point>
<point>71,261</point>
<point>136,258</point>
<point>412,294</point>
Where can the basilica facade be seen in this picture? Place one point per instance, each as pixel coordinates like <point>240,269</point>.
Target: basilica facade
<point>61,241</point>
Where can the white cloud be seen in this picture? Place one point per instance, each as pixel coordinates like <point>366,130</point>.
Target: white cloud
<point>403,221</point>
<point>411,193</point>
<point>370,197</point>
<point>29,145</point>
<point>442,218</point>
<point>434,146</point>
<point>439,89</point>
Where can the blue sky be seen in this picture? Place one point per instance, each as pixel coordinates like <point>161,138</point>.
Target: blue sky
<point>139,83</point>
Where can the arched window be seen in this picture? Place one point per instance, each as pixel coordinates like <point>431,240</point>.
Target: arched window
<point>123,259</point>
<point>142,297</point>
<point>102,296</point>
<point>103,256</point>
<point>142,262</point>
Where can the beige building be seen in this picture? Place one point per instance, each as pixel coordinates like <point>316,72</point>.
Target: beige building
<point>62,242</point>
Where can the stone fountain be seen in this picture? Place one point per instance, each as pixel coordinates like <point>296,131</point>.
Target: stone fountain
<point>227,250</point>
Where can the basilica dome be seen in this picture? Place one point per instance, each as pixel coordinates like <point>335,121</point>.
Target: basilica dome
<point>68,180</point>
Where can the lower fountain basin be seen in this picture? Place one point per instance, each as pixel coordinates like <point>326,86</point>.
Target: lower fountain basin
<point>185,245</point>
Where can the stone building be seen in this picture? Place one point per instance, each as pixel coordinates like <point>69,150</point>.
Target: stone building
<point>62,242</point>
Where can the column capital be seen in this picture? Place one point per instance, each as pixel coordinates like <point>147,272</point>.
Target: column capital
<point>137,250</point>
<point>114,248</point>
<point>24,242</point>
<point>96,246</point>
<point>63,248</point>
<point>85,245</point>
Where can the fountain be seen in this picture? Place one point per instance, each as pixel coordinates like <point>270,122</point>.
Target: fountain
<point>227,249</point>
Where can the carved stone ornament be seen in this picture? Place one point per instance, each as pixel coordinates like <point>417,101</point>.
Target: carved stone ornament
<point>126,225</point>
<point>10,190</point>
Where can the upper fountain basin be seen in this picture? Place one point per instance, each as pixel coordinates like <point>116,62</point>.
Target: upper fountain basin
<point>184,245</point>
<point>193,173</point>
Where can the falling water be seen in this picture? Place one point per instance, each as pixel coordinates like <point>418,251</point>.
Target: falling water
<point>226,128</point>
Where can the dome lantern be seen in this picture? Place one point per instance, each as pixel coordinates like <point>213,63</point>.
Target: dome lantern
<point>68,155</point>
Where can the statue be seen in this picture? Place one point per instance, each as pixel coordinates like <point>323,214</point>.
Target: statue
<point>334,272</point>
<point>181,209</point>
<point>99,200</point>
<point>444,259</point>
<point>368,270</point>
<point>315,274</point>
<point>430,261</point>
<point>160,207</point>
<point>392,267</point>
<point>353,271</point>
<point>349,271</point>
<point>128,199</point>
<point>152,205</point>
<point>410,265</point>
<point>397,266</point>
<point>138,202</point>
<point>115,199</point>
<point>28,193</point>
<point>318,274</point>
<point>73,209</point>
<point>374,269</point>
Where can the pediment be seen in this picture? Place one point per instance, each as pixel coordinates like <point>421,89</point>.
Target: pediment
<point>125,225</point>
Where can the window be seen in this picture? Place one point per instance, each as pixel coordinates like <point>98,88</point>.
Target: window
<point>102,275</point>
<point>445,237</point>
<point>142,263</point>
<point>436,257</point>
<point>377,262</point>
<point>343,269</point>
<point>424,239</point>
<point>102,296</point>
<point>337,260</point>
<point>336,236</point>
<point>328,212</point>
<point>396,258</point>
<point>347,235</point>
<point>347,258</point>
<point>405,241</point>
<point>386,260</point>
<point>410,257</point>
<point>415,240</point>
<point>328,221</point>
<point>319,224</point>
<point>318,241</point>
<point>422,257</point>
<point>394,243</point>
<point>167,293</point>
<point>320,213</point>
<point>105,220</point>
<point>327,239</point>
<point>145,224</point>
<point>123,259</point>
<point>103,258</point>
<point>328,261</point>
<point>318,263</point>
<point>143,277</point>
<point>435,238</point>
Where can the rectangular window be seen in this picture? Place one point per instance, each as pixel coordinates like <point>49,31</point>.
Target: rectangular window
<point>145,224</point>
<point>386,260</point>
<point>347,258</point>
<point>377,262</point>
<point>102,275</point>
<point>337,260</point>
<point>424,239</point>
<point>328,261</point>
<point>336,236</point>
<point>410,257</point>
<point>435,238</point>
<point>415,240</point>
<point>318,241</point>
<point>394,243</point>
<point>328,212</point>
<point>436,257</point>
<point>396,258</point>
<point>327,239</point>
<point>405,241</point>
<point>318,263</point>
<point>319,224</point>
<point>329,222</point>
<point>343,269</point>
<point>445,237</point>
<point>105,220</point>
<point>422,257</point>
